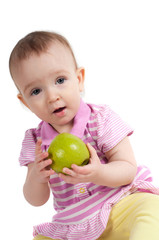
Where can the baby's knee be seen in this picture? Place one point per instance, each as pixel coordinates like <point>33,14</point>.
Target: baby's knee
<point>149,206</point>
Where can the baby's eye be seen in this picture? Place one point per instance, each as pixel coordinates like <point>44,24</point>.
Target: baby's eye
<point>60,80</point>
<point>35,92</point>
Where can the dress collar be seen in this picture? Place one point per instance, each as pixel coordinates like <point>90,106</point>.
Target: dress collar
<point>48,133</point>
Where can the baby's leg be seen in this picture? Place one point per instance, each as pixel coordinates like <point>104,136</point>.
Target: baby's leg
<point>146,218</point>
<point>134,217</point>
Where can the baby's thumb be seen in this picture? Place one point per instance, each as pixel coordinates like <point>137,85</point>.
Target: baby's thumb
<point>92,150</point>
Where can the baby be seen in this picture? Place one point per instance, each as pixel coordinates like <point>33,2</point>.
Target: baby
<point>110,198</point>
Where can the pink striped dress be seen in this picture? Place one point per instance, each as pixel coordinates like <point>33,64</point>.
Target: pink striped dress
<point>83,209</point>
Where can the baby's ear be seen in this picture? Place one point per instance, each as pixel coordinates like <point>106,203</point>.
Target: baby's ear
<point>80,76</point>
<point>20,97</point>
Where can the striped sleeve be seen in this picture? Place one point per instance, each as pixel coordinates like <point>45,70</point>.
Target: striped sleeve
<point>111,129</point>
<point>27,154</point>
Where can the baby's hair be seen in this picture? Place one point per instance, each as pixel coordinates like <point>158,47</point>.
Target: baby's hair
<point>36,42</point>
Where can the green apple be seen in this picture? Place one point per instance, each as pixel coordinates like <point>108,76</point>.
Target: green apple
<point>67,149</point>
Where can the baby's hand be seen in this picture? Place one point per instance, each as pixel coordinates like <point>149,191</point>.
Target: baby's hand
<point>87,173</point>
<point>42,164</point>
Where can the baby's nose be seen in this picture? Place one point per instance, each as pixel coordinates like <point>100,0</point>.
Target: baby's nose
<point>52,96</point>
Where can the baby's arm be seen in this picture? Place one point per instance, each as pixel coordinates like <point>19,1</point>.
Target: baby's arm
<point>36,188</point>
<point>120,169</point>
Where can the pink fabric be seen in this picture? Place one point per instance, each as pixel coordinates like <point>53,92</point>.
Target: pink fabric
<point>83,209</point>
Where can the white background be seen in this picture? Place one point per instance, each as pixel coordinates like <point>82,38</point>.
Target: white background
<point>118,44</point>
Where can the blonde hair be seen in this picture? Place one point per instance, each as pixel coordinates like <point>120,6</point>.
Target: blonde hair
<point>36,42</point>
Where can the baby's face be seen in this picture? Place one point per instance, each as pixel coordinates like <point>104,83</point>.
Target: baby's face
<point>50,86</point>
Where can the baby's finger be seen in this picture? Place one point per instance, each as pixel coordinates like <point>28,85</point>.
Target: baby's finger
<point>91,150</point>
<point>94,157</point>
<point>68,171</point>
<point>38,149</point>
<point>49,172</point>
<point>84,170</point>
<point>44,164</point>
<point>46,174</point>
<point>41,157</point>
<point>67,178</point>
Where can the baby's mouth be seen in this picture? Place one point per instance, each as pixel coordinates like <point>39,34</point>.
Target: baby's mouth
<point>59,110</point>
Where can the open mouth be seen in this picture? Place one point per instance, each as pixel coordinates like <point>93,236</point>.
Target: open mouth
<point>59,110</point>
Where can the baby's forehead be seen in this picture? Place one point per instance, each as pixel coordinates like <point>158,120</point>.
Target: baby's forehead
<point>54,49</point>
<point>51,48</point>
